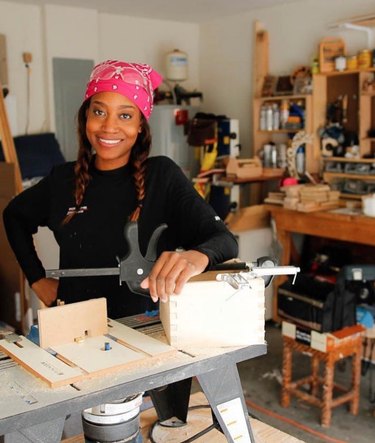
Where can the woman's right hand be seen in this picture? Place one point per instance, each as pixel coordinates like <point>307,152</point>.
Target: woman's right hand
<point>46,290</point>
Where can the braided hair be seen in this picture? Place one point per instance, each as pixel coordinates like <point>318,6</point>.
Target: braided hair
<point>137,161</point>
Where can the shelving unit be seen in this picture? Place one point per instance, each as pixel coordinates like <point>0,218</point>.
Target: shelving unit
<point>360,118</point>
<point>277,136</point>
<point>361,105</point>
<point>336,177</point>
<point>260,71</point>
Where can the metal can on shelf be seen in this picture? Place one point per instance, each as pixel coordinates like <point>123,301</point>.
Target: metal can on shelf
<point>352,62</point>
<point>364,59</point>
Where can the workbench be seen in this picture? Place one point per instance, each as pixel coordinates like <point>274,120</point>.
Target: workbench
<point>30,411</point>
<point>349,227</point>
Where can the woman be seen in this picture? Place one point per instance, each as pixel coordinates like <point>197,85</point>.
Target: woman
<point>88,202</point>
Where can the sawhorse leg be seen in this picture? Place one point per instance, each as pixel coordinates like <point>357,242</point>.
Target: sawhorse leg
<point>223,390</point>
<point>50,431</point>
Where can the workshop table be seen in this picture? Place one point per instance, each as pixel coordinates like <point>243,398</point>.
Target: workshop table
<point>349,227</point>
<point>30,411</point>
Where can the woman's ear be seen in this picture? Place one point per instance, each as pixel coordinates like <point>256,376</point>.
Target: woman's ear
<point>140,129</point>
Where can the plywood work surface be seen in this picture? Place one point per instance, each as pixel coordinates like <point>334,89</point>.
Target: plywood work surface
<point>134,339</point>
<point>78,361</point>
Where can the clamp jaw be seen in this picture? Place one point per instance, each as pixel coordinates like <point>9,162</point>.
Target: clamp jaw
<point>132,269</point>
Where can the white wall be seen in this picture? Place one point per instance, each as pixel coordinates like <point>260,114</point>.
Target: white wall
<point>295,30</point>
<point>22,26</point>
<point>148,41</point>
<point>59,31</point>
<point>220,51</point>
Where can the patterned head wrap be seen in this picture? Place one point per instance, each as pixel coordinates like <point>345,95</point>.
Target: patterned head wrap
<point>135,81</point>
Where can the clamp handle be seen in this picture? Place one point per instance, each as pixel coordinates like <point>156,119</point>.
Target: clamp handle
<point>134,267</point>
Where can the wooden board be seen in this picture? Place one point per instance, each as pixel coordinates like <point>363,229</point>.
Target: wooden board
<point>12,304</point>
<point>92,357</point>
<point>137,341</point>
<point>3,61</point>
<point>213,313</point>
<point>7,141</point>
<point>68,323</point>
<point>62,359</point>
<point>40,363</point>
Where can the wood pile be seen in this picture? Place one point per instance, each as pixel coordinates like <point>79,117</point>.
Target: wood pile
<point>305,197</point>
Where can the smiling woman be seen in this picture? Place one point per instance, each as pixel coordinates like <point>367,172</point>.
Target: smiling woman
<point>87,203</point>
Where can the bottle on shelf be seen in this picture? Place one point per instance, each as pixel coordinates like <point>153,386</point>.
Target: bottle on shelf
<point>263,118</point>
<point>300,160</point>
<point>274,156</point>
<point>281,158</point>
<point>269,118</point>
<point>284,113</point>
<point>275,117</point>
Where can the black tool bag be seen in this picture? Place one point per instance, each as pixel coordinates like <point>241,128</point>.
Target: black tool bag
<point>317,305</point>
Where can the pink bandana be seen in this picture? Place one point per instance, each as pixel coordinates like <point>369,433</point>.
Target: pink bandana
<point>133,80</point>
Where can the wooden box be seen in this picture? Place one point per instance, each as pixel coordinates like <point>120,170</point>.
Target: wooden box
<point>329,49</point>
<point>211,313</point>
<point>244,168</point>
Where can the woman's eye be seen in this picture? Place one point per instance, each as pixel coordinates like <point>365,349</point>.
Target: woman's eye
<point>98,112</point>
<point>125,116</point>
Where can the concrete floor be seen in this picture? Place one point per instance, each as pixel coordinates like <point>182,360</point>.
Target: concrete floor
<point>261,381</point>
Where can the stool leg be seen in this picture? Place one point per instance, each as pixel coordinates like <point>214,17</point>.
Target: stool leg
<point>315,375</point>
<point>356,379</point>
<point>329,373</point>
<point>287,374</point>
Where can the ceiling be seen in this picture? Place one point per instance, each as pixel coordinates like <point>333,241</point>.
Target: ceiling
<point>193,11</point>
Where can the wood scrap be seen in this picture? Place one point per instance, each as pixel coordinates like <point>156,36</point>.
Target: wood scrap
<point>310,197</point>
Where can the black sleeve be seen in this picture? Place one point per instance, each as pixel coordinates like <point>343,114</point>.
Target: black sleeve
<point>198,225</point>
<point>22,216</point>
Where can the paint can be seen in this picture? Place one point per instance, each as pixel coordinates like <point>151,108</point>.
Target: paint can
<point>113,422</point>
<point>364,59</point>
<point>352,62</point>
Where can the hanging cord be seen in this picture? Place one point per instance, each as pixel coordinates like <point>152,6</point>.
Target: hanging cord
<point>198,434</point>
<point>27,58</point>
<point>193,437</point>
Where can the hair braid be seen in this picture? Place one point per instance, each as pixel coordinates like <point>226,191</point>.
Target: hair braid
<point>138,159</point>
<point>81,168</point>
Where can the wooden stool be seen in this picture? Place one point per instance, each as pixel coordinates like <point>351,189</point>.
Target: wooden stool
<point>339,349</point>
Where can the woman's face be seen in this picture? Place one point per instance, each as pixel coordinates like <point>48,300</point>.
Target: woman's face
<point>113,124</point>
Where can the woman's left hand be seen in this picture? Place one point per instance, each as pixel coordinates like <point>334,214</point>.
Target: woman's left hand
<point>171,271</point>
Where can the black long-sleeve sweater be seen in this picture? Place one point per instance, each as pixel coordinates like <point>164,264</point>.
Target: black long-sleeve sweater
<point>94,237</point>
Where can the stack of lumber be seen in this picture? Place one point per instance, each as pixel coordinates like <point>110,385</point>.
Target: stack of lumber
<point>310,197</point>
<point>275,198</point>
